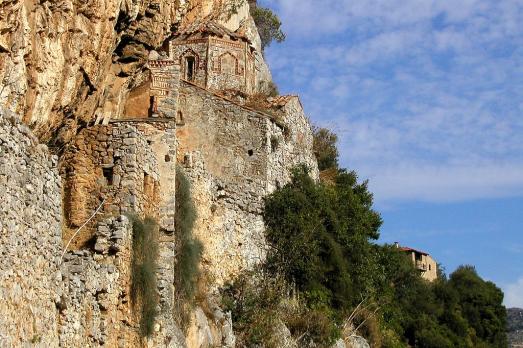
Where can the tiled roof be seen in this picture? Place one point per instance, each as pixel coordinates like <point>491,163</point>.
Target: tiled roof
<point>414,250</point>
<point>203,28</point>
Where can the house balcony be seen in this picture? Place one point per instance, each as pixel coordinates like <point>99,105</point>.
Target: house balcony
<point>421,266</point>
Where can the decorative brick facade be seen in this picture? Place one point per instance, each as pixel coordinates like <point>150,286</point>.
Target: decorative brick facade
<point>214,58</point>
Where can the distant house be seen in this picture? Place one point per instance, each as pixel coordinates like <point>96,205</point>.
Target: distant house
<point>422,261</point>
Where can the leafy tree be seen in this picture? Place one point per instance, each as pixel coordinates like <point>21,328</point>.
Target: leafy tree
<point>325,148</point>
<point>481,306</point>
<point>319,236</point>
<point>268,24</point>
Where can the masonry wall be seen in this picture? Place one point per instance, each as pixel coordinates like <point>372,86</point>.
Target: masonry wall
<point>97,310</point>
<point>196,48</point>
<point>230,66</point>
<point>226,150</point>
<point>291,145</point>
<point>112,167</point>
<point>220,64</point>
<point>30,238</point>
<point>124,167</point>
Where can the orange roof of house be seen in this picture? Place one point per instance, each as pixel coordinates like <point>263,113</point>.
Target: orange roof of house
<point>414,250</point>
<point>200,29</point>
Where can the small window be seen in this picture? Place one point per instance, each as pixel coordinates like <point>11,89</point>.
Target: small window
<point>190,67</point>
<point>179,118</point>
<point>250,152</point>
<point>167,158</point>
<point>108,175</point>
<point>430,268</point>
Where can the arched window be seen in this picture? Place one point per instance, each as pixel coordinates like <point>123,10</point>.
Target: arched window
<point>190,68</point>
<point>229,64</point>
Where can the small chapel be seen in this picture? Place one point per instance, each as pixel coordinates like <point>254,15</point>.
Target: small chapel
<point>215,58</point>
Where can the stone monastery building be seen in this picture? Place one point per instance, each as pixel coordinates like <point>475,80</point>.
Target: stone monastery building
<point>178,119</point>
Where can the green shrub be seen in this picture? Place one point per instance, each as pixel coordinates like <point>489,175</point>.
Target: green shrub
<point>311,326</point>
<point>319,237</point>
<point>188,250</point>
<point>324,148</point>
<point>144,293</point>
<point>268,24</point>
<point>259,301</point>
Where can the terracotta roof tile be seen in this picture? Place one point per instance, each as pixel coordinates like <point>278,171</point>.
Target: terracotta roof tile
<point>201,28</point>
<point>414,250</point>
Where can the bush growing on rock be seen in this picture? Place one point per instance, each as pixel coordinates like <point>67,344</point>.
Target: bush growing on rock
<point>143,279</point>
<point>321,238</point>
<point>268,24</point>
<point>189,250</point>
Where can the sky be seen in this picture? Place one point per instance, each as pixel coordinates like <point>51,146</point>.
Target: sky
<point>426,97</point>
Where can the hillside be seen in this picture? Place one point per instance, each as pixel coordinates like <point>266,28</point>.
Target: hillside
<point>515,327</point>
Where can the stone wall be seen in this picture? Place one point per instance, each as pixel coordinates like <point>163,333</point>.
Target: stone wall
<point>124,164</point>
<point>220,64</point>
<point>30,238</point>
<point>97,310</point>
<point>197,49</point>
<point>291,146</point>
<point>124,167</point>
<point>112,166</point>
<point>230,156</point>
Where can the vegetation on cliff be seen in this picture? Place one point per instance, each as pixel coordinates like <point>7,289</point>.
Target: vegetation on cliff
<point>189,249</point>
<point>268,24</point>
<point>328,267</point>
<point>143,278</point>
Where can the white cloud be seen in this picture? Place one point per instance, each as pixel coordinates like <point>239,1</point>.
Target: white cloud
<point>425,95</point>
<point>514,294</point>
<point>447,183</point>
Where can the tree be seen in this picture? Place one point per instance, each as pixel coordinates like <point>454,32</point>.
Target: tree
<point>481,305</point>
<point>324,148</point>
<point>320,237</point>
<point>268,24</point>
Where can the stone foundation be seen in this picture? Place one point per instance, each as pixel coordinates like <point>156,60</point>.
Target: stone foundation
<point>30,238</point>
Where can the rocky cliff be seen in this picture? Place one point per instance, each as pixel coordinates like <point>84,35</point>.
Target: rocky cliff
<point>30,237</point>
<point>64,64</point>
<point>70,73</point>
<point>515,327</point>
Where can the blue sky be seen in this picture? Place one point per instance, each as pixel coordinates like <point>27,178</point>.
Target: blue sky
<point>427,98</point>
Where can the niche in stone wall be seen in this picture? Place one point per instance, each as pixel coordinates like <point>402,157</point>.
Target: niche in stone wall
<point>228,64</point>
<point>108,175</point>
<point>140,103</point>
<point>150,194</point>
<point>179,119</point>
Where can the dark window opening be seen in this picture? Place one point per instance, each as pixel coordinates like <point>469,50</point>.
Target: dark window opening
<point>430,268</point>
<point>190,66</point>
<point>250,152</point>
<point>108,175</point>
<point>179,118</point>
<point>145,182</point>
<point>167,158</point>
<point>153,109</point>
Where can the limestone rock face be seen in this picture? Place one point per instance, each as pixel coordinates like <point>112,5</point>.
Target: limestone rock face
<point>70,62</point>
<point>30,238</point>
